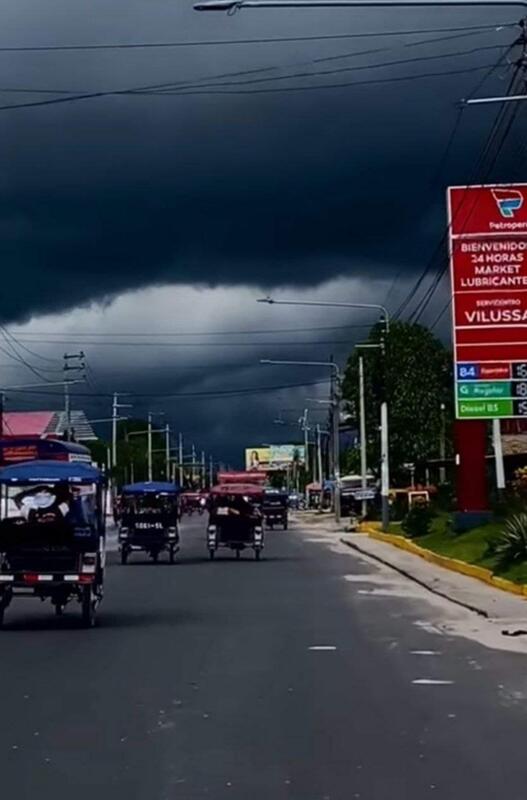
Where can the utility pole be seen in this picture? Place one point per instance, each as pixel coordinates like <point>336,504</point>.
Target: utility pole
<point>167,451</point>
<point>211,472</point>
<point>336,445</point>
<point>203,470</point>
<point>73,362</point>
<point>319,458</point>
<point>149,446</point>
<point>180,459</point>
<point>305,428</point>
<point>2,404</point>
<point>193,473</point>
<point>363,443</point>
<point>116,405</point>
<point>385,468</point>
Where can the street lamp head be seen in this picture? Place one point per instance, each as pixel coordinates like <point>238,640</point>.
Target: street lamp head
<point>217,5</point>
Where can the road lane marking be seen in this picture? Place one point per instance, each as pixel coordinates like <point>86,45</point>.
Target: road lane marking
<point>431,682</point>
<point>425,653</point>
<point>323,647</point>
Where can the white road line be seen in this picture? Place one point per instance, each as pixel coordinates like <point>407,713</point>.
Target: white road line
<point>323,647</point>
<point>431,682</point>
<point>425,653</point>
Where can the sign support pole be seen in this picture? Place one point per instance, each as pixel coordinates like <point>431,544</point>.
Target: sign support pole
<point>498,454</point>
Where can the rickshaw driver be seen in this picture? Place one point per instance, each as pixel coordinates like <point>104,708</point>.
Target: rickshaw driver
<point>45,504</point>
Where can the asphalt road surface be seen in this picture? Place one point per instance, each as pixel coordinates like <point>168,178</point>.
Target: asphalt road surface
<point>202,682</point>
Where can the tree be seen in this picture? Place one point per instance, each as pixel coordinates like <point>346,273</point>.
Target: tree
<point>415,374</point>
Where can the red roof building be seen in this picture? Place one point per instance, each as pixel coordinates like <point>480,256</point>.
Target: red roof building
<point>45,425</point>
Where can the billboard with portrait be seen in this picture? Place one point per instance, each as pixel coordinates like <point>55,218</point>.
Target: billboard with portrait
<point>257,459</point>
<point>275,457</point>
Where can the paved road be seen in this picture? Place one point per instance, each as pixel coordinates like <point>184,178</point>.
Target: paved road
<point>200,683</point>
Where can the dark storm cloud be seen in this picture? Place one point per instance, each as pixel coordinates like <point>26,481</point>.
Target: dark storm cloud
<point>109,194</point>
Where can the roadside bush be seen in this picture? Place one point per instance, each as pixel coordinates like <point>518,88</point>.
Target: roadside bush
<point>511,546</point>
<point>442,525</point>
<point>418,520</point>
<point>444,499</point>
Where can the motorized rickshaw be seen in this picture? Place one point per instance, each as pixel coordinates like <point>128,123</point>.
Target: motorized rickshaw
<point>235,519</point>
<point>193,502</point>
<point>52,540</point>
<point>275,506</point>
<point>149,519</point>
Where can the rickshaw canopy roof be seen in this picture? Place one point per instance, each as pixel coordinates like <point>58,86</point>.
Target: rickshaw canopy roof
<point>51,472</point>
<point>238,489</point>
<point>151,487</point>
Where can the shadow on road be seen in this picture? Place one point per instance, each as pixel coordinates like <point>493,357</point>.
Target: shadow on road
<point>105,621</point>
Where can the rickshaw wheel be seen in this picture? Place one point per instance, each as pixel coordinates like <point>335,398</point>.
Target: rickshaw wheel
<point>172,555</point>
<point>257,553</point>
<point>88,607</point>
<point>285,526</point>
<point>124,555</point>
<point>59,609</point>
<point>238,552</point>
<point>155,557</point>
<point>2,615</point>
<point>212,553</point>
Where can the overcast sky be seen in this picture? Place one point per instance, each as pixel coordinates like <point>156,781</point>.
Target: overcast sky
<point>168,214</point>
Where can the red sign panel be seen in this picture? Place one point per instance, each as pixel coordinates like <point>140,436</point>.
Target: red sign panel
<point>488,257</point>
<point>488,210</point>
<point>488,232</point>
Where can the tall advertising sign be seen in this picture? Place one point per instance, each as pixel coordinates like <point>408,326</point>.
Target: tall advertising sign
<point>488,265</point>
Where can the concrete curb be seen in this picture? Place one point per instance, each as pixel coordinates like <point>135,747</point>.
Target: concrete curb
<point>453,564</point>
<point>423,584</point>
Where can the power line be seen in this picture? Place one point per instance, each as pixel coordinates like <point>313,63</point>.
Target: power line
<point>314,88</point>
<point>188,87</point>
<point>441,314</point>
<point>359,68</point>
<point>159,334</point>
<point>107,343</point>
<point>260,40</point>
<point>169,88</point>
<point>169,395</point>
<point>425,300</point>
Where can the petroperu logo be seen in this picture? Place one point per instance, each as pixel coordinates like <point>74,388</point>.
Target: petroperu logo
<point>509,201</point>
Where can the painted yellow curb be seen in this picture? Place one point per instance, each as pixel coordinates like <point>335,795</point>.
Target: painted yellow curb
<point>453,564</point>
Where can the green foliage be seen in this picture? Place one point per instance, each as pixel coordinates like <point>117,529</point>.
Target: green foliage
<point>418,521</point>
<point>441,525</point>
<point>350,461</point>
<point>511,547</point>
<point>415,376</point>
<point>444,499</point>
<point>132,455</point>
<point>98,449</point>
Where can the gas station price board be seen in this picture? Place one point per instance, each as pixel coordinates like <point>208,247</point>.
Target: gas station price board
<point>488,263</point>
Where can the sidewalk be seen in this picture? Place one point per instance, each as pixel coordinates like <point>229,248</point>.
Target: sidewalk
<point>508,610</point>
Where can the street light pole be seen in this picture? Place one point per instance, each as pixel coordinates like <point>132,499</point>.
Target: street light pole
<point>332,304</point>
<point>336,401</point>
<point>363,456</point>
<point>234,5</point>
